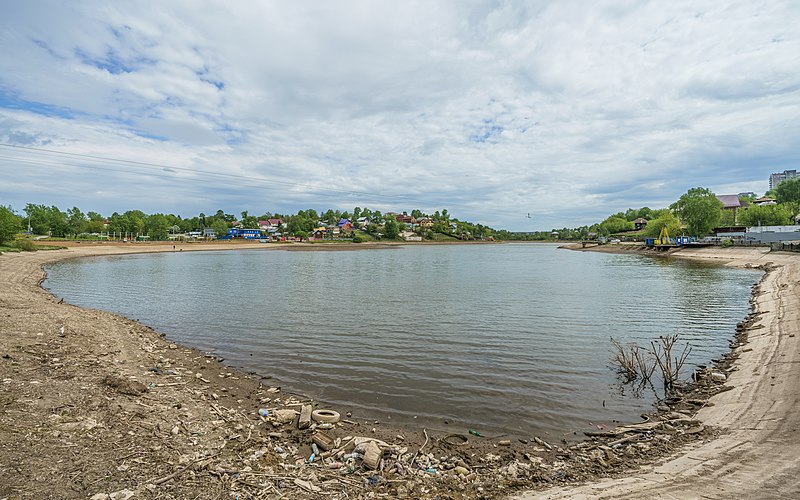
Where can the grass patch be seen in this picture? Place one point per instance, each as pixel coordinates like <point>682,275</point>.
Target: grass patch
<point>442,237</point>
<point>27,246</point>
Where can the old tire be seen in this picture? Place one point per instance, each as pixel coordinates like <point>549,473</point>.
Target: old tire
<point>327,416</point>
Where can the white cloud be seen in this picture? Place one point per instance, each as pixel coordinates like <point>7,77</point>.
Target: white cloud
<point>567,110</point>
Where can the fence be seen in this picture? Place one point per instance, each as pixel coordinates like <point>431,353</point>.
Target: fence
<point>785,247</point>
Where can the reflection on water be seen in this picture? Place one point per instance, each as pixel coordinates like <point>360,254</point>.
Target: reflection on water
<point>508,338</point>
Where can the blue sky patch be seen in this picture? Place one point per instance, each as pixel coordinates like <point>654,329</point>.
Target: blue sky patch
<point>486,132</point>
<point>10,100</point>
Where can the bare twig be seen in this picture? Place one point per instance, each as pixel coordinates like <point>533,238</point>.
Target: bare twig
<point>421,447</point>
<point>181,470</point>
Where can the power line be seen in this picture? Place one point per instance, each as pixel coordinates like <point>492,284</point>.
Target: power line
<point>167,168</point>
<point>163,171</point>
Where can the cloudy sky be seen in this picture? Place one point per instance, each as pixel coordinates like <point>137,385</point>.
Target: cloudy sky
<point>565,110</point>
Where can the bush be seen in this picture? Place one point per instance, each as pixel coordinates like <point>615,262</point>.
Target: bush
<point>357,238</point>
<point>727,243</point>
<point>9,224</point>
<point>25,245</point>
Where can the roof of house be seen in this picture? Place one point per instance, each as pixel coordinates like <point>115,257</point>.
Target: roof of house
<point>640,220</point>
<point>730,200</point>
<point>763,199</point>
<point>274,221</point>
<point>343,222</point>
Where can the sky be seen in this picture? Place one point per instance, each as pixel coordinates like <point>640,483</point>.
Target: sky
<point>566,111</point>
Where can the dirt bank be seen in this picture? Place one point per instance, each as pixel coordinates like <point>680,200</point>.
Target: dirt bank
<point>758,453</point>
<point>92,404</point>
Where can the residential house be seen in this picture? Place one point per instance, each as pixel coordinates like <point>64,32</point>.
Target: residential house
<point>765,200</point>
<point>209,233</point>
<point>362,222</point>
<point>425,222</point>
<point>345,225</point>
<point>639,223</point>
<point>406,219</point>
<point>731,202</point>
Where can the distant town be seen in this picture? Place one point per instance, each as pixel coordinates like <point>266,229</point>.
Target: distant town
<point>699,213</point>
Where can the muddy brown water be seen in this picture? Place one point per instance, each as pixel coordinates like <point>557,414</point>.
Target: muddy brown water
<point>506,339</point>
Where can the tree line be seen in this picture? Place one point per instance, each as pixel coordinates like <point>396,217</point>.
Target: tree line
<point>696,213</point>
<point>74,223</point>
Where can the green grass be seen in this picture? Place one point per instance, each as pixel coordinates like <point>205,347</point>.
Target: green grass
<point>443,237</point>
<point>27,246</point>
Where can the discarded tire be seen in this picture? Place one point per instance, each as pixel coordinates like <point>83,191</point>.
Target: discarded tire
<point>455,439</point>
<point>329,416</point>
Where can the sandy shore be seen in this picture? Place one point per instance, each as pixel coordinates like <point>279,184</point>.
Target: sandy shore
<point>759,454</point>
<point>92,403</point>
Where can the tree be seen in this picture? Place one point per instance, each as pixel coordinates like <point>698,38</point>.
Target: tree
<point>76,221</point>
<point>774,215</point>
<point>615,224</point>
<point>699,209</point>
<point>220,227</point>
<point>157,226</point>
<point>653,228</point>
<point>788,191</point>
<point>391,229</point>
<point>38,218</point>
<point>9,224</point>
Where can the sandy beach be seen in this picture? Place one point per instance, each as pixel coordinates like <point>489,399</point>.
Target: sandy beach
<point>94,404</point>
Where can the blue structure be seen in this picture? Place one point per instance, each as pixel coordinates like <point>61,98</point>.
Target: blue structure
<point>247,234</point>
<point>682,240</point>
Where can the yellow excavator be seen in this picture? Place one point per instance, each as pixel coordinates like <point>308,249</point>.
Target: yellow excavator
<point>663,237</point>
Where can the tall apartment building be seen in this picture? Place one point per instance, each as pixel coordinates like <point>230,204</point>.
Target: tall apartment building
<point>776,179</point>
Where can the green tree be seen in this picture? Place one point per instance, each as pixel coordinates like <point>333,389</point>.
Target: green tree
<point>157,226</point>
<point>220,227</point>
<point>38,218</point>
<point>391,229</point>
<point>699,209</point>
<point>76,221</point>
<point>653,228</point>
<point>766,215</point>
<point>615,224</point>
<point>9,224</point>
<point>788,191</point>
<point>46,220</point>
<point>727,218</point>
<point>59,226</point>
